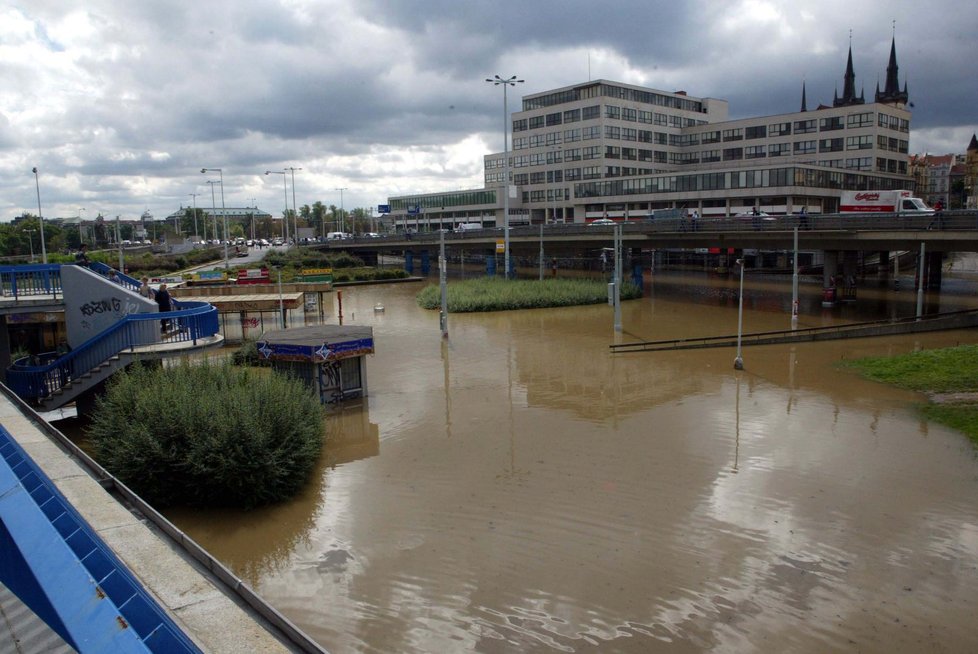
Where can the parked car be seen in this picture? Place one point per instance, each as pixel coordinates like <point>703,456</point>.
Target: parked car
<point>601,221</point>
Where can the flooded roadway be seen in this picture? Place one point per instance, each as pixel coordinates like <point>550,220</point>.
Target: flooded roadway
<point>519,489</point>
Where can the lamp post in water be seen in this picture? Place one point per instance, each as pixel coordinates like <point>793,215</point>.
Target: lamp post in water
<point>739,361</point>
<point>496,80</point>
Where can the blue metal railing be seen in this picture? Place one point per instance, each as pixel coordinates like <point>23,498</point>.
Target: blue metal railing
<point>35,379</point>
<point>34,280</point>
<point>62,569</point>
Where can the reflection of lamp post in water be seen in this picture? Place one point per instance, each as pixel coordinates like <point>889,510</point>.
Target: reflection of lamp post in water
<point>739,361</point>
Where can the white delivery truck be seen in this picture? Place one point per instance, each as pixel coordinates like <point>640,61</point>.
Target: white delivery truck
<point>900,202</point>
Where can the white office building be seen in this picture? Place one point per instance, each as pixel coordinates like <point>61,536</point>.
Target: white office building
<point>607,149</point>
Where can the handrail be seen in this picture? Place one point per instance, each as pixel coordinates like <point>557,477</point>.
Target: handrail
<point>32,280</point>
<point>34,382</point>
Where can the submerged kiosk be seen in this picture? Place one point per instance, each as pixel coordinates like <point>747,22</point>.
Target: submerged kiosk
<point>330,359</point>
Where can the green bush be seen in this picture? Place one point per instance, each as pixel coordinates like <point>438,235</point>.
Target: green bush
<point>208,434</point>
<point>247,355</point>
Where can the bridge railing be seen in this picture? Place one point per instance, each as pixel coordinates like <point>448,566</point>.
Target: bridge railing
<point>34,378</point>
<point>31,281</point>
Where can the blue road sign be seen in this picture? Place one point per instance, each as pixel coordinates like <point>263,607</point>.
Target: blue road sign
<point>383,208</point>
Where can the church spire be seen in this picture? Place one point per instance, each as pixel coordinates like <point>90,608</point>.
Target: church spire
<point>849,86</point>
<point>804,104</point>
<point>891,89</point>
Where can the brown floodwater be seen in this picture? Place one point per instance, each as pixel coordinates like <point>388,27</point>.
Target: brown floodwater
<point>517,488</point>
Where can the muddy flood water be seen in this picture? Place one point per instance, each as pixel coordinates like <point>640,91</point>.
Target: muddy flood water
<point>517,488</point>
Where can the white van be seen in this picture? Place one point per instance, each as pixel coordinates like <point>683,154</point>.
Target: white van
<point>335,236</point>
<point>467,227</point>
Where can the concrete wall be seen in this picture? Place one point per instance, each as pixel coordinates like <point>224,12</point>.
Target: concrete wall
<point>93,303</point>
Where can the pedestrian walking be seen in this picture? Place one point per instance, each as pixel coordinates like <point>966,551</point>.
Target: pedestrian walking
<point>165,304</point>
<point>81,257</point>
<point>146,290</point>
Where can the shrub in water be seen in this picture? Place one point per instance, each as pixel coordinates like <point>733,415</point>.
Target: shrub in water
<point>208,434</point>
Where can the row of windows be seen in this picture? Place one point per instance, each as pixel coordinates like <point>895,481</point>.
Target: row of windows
<point>611,91</point>
<point>441,200</point>
<point>791,176</point>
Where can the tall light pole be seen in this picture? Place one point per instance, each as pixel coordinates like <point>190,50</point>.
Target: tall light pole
<point>37,185</point>
<point>213,209</point>
<point>295,209</point>
<point>496,80</point>
<point>196,233</point>
<point>553,215</point>
<point>739,360</point>
<point>342,212</point>
<point>80,225</point>
<point>285,192</point>
<point>220,171</point>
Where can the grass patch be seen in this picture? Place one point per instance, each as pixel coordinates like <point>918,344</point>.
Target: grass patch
<point>497,294</point>
<point>947,370</point>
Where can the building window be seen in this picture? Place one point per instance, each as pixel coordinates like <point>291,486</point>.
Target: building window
<point>779,129</point>
<point>572,154</point>
<point>589,133</point>
<point>611,111</point>
<point>804,126</point>
<point>591,172</point>
<point>733,134</point>
<point>593,152</point>
<point>805,147</point>
<point>612,152</point>
<point>830,145</point>
<point>538,178</point>
<point>757,132</point>
<point>629,134</point>
<point>861,163</point>
<point>860,120</point>
<point>630,115</point>
<point>661,119</point>
<point>779,149</point>
<point>645,117</point>
<point>630,154</point>
<point>519,125</point>
<point>572,116</point>
<point>755,152</point>
<point>588,113</point>
<point>830,124</point>
<point>733,154</point>
<point>859,142</point>
<point>572,174</point>
<point>612,132</point>
<point>536,122</point>
<point>571,135</point>
<point>710,137</point>
<point>554,119</point>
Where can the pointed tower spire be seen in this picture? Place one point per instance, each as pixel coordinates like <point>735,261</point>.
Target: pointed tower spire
<point>804,104</point>
<point>891,89</point>
<point>849,85</point>
<point>974,143</point>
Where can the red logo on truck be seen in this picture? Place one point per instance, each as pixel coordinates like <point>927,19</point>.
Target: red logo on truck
<point>866,197</point>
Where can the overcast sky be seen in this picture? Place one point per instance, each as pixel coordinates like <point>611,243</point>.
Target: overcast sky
<point>120,103</point>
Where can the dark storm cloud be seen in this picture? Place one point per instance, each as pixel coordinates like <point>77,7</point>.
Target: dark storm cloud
<point>128,100</point>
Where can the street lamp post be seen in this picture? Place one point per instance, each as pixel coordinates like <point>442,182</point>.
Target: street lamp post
<point>196,233</point>
<point>739,360</point>
<point>342,212</point>
<point>213,210</point>
<point>37,185</point>
<point>285,193</point>
<point>80,226</point>
<point>220,171</point>
<point>295,209</point>
<point>496,80</point>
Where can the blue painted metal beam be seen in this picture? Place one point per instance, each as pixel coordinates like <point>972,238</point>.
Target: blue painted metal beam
<point>58,566</point>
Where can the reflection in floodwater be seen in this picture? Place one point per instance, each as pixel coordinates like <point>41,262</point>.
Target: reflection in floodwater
<point>518,488</point>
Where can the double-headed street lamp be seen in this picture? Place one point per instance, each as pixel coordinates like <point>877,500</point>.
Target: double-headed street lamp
<point>227,263</point>
<point>196,233</point>
<point>37,185</point>
<point>342,212</point>
<point>285,193</point>
<point>496,80</point>
<point>295,209</point>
